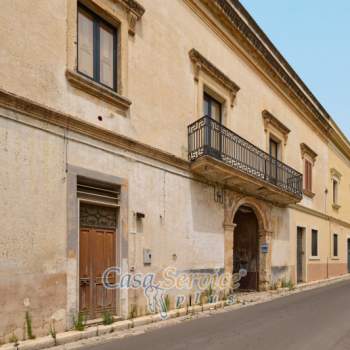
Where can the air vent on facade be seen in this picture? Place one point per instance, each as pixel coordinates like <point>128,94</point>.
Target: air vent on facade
<point>98,191</point>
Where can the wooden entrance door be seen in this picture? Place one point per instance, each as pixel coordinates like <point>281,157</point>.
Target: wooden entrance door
<point>97,253</point>
<point>300,254</point>
<point>349,255</point>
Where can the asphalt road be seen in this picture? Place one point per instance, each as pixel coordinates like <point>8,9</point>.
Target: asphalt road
<point>315,320</point>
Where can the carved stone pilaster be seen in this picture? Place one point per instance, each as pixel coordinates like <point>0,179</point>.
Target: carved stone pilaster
<point>228,247</point>
<point>265,238</point>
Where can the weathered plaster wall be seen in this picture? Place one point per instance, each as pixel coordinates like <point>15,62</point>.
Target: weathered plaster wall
<point>33,227</point>
<point>160,78</point>
<point>181,218</point>
<point>280,268</point>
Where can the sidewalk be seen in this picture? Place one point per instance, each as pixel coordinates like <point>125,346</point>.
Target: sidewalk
<point>100,334</point>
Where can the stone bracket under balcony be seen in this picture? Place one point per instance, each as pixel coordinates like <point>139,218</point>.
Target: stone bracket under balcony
<point>221,156</point>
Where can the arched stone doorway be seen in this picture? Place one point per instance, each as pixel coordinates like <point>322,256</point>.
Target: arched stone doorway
<point>259,213</point>
<point>246,247</point>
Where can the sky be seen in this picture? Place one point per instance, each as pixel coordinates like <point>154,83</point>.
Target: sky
<point>314,37</point>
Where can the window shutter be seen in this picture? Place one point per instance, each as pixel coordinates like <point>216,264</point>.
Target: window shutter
<point>106,57</point>
<point>85,44</point>
<point>308,175</point>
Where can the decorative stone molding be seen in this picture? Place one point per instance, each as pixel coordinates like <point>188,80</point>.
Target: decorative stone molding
<point>336,174</point>
<point>105,94</point>
<point>262,210</point>
<point>336,206</point>
<point>202,64</point>
<point>306,150</point>
<point>265,237</point>
<point>233,15</point>
<point>68,122</point>
<point>308,193</point>
<point>135,12</point>
<point>270,119</point>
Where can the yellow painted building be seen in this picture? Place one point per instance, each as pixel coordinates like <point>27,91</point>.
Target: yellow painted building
<point>154,133</point>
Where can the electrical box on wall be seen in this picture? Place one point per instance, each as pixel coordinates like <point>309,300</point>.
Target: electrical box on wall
<point>147,256</point>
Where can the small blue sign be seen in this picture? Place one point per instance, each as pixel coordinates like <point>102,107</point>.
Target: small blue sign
<point>265,248</point>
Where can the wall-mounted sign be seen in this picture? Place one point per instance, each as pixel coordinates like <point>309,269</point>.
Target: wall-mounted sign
<point>264,248</point>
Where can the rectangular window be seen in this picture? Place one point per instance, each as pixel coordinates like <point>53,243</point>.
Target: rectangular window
<point>335,245</point>
<point>335,191</point>
<point>308,176</point>
<point>314,243</point>
<point>97,44</point>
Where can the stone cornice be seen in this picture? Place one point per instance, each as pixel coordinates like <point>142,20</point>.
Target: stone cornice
<point>201,63</point>
<point>43,113</point>
<point>137,9</point>
<point>305,149</point>
<point>270,119</point>
<point>335,173</point>
<point>232,15</point>
<point>319,214</point>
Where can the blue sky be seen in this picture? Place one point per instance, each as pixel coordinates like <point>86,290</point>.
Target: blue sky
<point>314,37</point>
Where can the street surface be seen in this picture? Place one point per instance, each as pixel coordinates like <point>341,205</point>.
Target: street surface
<point>317,319</point>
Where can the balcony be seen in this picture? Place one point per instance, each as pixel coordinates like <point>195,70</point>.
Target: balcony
<point>221,156</point>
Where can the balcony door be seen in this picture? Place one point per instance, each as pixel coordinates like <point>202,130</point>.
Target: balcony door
<point>273,150</point>
<point>213,109</point>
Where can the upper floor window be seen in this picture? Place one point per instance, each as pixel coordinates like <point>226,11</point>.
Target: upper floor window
<point>336,178</point>
<point>314,243</point>
<point>308,176</point>
<point>212,108</point>
<point>97,44</point>
<point>309,158</point>
<point>335,191</point>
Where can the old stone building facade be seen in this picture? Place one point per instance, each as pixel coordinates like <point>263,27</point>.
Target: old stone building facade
<point>150,133</point>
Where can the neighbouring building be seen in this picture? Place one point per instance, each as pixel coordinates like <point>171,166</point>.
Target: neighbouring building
<point>153,133</point>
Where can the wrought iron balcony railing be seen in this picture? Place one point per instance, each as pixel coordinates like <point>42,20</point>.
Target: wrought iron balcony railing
<point>208,137</point>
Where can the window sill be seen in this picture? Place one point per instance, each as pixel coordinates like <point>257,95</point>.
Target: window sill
<point>335,258</point>
<point>309,194</point>
<point>314,258</point>
<point>336,206</point>
<point>89,86</point>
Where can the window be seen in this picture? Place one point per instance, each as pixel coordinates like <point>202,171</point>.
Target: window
<point>97,43</point>
<point>314,243</point>
<point>212,108</point>
<point>308,176</point>
<point>335,245</point>
<point>335,191</point>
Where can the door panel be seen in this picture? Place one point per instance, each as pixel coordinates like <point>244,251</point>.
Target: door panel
<point>97,253</point>
<point>349,255</point>
<point>84,272</point>
<point>300,255</point>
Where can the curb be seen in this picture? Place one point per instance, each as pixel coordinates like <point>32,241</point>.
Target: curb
<point>95,331</point>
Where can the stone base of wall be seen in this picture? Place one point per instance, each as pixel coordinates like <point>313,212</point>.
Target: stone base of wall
<point>42,295</point>
<point>322,271</point>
